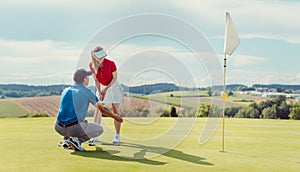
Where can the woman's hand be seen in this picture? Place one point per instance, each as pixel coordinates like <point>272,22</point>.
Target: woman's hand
<point>103,93</point>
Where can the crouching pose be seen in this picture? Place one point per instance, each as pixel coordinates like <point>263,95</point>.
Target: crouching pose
<point>73,109</point>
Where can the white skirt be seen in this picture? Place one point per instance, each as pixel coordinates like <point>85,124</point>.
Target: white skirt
<point>113,94</point>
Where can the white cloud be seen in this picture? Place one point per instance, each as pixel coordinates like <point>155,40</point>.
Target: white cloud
<point>250,77</point>
<point>37,51</point>
<point>38,62</point>
<point>244,60</point>
<point>264,19</point>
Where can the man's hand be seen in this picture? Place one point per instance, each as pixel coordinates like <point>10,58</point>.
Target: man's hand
<point>107,112</point>
<point>119,119</point>
<point>102,94</point>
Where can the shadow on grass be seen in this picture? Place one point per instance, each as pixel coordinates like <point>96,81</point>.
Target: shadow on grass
<point>172,153</point>
<point>108,155</point>
<point>140,156</point>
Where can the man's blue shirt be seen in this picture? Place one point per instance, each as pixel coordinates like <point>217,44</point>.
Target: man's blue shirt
<point>74,103</point>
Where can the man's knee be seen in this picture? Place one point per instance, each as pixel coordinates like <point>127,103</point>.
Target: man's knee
<point>99,130</point>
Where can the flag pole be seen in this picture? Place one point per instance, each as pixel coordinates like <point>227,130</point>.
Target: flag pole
<point>230,44</point>
<point>224,105</point>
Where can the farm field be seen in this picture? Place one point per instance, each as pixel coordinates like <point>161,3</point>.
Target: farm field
<point>192,99</point>
<point>49,105</point>
<point>30,144</point>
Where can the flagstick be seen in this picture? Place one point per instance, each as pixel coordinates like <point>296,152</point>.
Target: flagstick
<point>224,99</point>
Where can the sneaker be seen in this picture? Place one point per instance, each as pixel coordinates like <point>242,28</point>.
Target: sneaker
<point>116,140</point>
<point>74,144</point>
<point>92,141</point>
<point>65,145</point>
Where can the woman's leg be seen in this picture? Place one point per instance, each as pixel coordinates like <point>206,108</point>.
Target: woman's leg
<point>115,108</point>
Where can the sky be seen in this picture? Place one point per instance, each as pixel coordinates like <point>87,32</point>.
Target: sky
<point>43,42</point>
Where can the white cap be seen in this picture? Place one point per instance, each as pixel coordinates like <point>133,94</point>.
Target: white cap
<point>100,54</point>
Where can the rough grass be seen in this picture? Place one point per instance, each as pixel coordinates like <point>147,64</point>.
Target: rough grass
<point>250,145</point>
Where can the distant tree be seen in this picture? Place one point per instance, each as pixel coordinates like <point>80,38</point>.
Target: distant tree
<point>215,111</point>
<point>247,89</point>
<point>253,113</point>
<point>203,110</point>
<point>232,111</point>
<point>295,111</point>
<point>209,91</point>
<point>280,90</point>
<point>279,99</point>
<point>165,113</point>
<point>230,93</point>
<point>247,112</point>
<point>288,91</point>
<point>283,110</point>
<point>173,112</point>
<point>254,105</point>
<point>1,93</point>
<point>270,112</point>
<point>12,94</point>
<point>264,104</point>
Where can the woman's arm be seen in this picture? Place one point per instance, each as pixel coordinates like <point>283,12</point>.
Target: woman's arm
<point>97,85</point>
<point>114,79</point>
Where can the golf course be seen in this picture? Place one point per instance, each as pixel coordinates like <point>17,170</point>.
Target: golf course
<point>31,144</point>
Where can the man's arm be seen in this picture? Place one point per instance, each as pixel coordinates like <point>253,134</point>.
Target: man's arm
<point>107,112</point>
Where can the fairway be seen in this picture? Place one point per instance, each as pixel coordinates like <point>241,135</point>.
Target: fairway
<point>11,109</point>
<point>30,144</point>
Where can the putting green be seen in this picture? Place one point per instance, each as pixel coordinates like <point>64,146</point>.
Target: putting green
<point>30,144</point>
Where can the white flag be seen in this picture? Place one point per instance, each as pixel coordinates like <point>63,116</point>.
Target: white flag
<point>232,39</point>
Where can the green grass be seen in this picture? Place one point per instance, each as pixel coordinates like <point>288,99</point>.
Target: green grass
<point>182,98</point>
<point>30,144</point>
<point>11,109</point>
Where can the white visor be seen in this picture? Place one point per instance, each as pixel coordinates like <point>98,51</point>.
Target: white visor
<point>100,54</point>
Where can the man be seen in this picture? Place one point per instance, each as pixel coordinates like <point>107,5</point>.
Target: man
<point>73,108</point>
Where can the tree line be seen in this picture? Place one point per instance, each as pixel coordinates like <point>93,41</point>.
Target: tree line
<point>276,108</point>
<point>18,90</point>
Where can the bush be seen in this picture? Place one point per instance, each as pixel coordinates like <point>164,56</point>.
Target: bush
<point>165,113</point>
<point>23,116</point>
<point>173,112</point>
<point>270,112</point>
<point>295,111</point>
<point>187,112</point>
<point>215,111</point>
<point>232,111</point>
<point>35,115</point>
<point>38,115</point>
<point>247,112</point>
<point>203,110</point>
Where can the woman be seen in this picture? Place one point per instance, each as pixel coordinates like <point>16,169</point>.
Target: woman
<point>109,90</point>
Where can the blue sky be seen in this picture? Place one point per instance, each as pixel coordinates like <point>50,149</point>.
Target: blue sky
<point>42,41</point>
